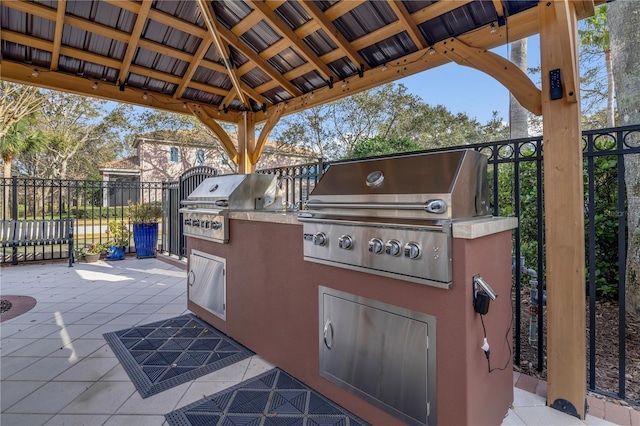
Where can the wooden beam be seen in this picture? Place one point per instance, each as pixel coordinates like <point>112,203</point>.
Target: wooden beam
<point>564,217</point>
<point>293,39</point>
<point>217,130</point>
<point>503,70</point>
<point>209,17</point>
<point>272,119</point>
<point>330,29</point>
<point>132,45</point>
<point>177,23</point>
<point>194,63</point>
<point>246,142</point>
<point>257,60</point>
<point>21,73</point>
<point>57,35</point>
<point>246,23</point>
<point>566,27</point>
<point>497,4</point>
<point>407,21</point>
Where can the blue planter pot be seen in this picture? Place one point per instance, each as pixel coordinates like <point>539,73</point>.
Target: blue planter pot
<point>116,253</point>
<point>145,237</point>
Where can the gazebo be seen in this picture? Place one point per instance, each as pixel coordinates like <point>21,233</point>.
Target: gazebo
<point>249,62</point>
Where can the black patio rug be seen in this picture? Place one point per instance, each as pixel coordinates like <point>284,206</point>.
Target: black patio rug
<point>272,398</point>
<point>164,354</point>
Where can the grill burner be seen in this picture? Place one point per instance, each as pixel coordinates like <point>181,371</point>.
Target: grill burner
<point>205,214</point>
<point>393,217</point>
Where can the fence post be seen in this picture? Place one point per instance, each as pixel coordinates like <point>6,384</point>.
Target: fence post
<point>14,214</point>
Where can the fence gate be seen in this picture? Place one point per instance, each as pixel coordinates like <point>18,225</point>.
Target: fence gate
<point>173,240</point>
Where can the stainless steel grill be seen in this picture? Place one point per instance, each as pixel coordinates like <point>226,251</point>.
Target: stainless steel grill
<point>393,217</point>
<point>205,212</point>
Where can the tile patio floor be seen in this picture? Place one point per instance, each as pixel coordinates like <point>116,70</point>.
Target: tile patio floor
<point>56,368</point>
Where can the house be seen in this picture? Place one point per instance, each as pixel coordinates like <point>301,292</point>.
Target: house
<point>164,155</point>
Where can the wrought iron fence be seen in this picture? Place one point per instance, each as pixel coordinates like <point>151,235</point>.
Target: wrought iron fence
<point>92,205</point>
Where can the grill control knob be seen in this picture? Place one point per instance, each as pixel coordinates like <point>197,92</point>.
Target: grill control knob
<point>215,224</point>
<point>187,221</point>
<point>320,239</point>
<point>196,223</point>
<point>376,246</point>
<point>412,250</point>
<point>393,248</point>
<point>345,242</point>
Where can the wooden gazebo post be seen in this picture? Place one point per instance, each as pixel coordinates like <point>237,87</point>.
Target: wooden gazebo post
<point>564,209</point>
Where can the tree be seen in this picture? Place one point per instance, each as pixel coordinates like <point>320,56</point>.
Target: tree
<point>79,135</point>
<point>379,145</point>
<point>333,130</point>
<point>518,115</point>
<point>16,102</point>
<point>624,21</point>
<point>595,38</point>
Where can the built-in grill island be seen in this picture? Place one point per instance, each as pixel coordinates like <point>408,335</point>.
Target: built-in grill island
<point>367,294</point>
<point>393,217</point>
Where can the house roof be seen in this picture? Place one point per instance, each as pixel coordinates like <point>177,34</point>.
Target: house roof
<point>129,163</point>
<point>223,57</point>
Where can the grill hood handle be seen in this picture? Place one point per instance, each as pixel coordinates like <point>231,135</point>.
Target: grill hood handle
<point>432,206</point>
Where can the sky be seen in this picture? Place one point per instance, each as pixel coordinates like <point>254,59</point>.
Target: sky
<point>464,89</point>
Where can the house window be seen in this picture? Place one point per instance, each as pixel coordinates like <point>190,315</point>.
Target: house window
<point>200,156</point>
<point>173,154</point>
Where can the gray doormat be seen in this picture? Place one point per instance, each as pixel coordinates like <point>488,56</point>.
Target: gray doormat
<point>272,398</point>
<point>164,354</point>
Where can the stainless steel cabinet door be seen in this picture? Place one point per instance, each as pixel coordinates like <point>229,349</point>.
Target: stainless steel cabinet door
<point>207,282</point>
<point>377,354</point>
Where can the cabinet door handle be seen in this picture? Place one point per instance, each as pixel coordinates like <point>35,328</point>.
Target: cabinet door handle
<point>189,280</point>
<point>328,334</point>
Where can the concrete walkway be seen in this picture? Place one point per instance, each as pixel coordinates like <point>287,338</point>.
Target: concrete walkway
<point>56,368</point>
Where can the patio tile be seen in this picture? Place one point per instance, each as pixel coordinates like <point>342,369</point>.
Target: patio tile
<point>99,331</point>
<point>522,398</point>
<point>135,420</point>
<point>145,308</point>
<point>8,346</point>
<point>7,419</point>
<point>118,308</point>
<point>127,320</point>
<point>101,398</point>
<point>137,298</point>
<point>88,370</point>
<point>257,366</point>
<point>512,419</point>
<point>44,369</point>
<point>69,318</point>
<point>90,307</point>
<point>41,330</point>
<point>54,306</point>
<point>32,317</point>
<point>98,318</point>
<point>77,420</point>
<point>232,373</point>
<point>7,330</point>
<point>14,391</point>
<point>162,300</point>
<point>199,390</point>
<point>10,365</point>
<point>163,401</point>
<point>79,348</point>
<point>116,374</point>
<point>545,416</point>
<point>41,347</point>
<point>76,330</point>
<point>50,398</point>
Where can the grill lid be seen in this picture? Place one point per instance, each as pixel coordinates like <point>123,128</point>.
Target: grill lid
<point>446,185</point>
<point>238,192</point>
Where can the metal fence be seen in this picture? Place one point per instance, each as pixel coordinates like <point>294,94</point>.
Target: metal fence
<point>92,205</point>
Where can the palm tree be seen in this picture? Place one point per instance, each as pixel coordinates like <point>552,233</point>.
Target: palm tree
<point>518,115</point>
<point>18,140</point>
